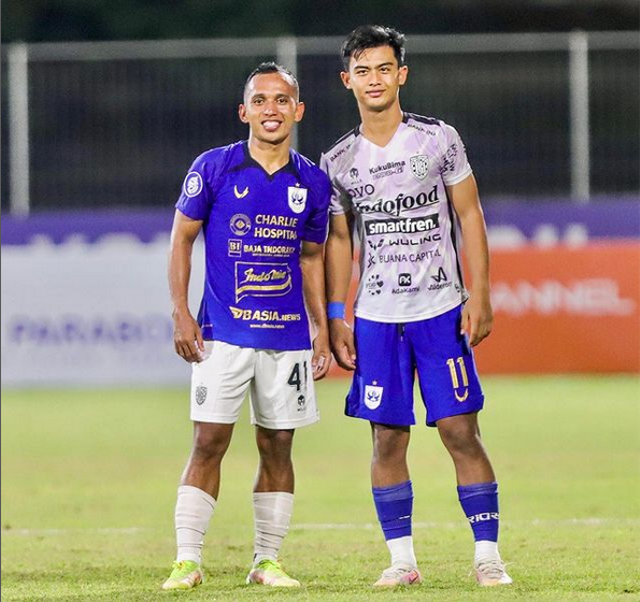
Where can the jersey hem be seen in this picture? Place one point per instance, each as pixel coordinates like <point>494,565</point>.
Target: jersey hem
<point>301,347</point>
<point>400,319</point>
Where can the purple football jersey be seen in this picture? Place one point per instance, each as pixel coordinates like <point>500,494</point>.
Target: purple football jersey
<point>253,225</point>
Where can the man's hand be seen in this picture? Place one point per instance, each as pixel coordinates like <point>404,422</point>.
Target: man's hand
<point>342,344</point>
<point>187,337</point>
<point>477,318</point>
<point>321,356</point>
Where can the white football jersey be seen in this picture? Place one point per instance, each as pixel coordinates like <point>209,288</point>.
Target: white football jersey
<point>407,228</point>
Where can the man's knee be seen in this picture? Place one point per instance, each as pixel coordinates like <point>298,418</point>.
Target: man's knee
<point>210,441</point>
<point>389,444</point>
<point>274,445</point>
<point>460,434</point>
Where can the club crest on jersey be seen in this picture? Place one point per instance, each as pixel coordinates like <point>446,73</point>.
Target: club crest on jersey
<point>297,198</point>
<point>420,166</point>
<point>373,396</point>
<point>192,184</point>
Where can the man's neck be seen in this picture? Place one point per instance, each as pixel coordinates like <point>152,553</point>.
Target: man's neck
<point>271,157</point>
<point>379,127</point>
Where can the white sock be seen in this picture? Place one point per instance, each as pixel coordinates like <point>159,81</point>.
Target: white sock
<point>194,509</point>
<point>486,550</point>
<point>401,550</point>
<point>272,514</point>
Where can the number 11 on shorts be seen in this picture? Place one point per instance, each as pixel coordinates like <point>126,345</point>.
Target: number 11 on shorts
<point>451,362</point>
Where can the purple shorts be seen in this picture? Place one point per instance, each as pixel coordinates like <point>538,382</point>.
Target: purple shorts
<point>388,356</point>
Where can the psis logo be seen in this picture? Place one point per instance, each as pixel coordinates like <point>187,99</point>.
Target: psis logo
<point>192,184</point>
<point>201,395</point>
<point>297,198</point>
<point>373,395</point>
<point>301,403</point>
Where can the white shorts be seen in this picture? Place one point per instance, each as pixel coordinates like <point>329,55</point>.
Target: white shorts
<point>280,384</point>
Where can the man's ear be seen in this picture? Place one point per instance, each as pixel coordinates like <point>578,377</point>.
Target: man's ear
<point>403,74</point>
<point>299,114</point>
<point>346,79</point>
<point>242,113</point>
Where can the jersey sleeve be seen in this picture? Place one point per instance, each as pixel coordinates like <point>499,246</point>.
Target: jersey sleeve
<point>315,228</point>
<point>339,202</point>
<point>198,192</point>
<point>454,165</point>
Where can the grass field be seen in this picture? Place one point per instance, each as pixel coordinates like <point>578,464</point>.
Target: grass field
<point>89,480</point>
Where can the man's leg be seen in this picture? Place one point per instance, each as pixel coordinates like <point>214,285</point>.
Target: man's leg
<point>477,492</point>
<point>196,501</point>
<point>272,506</point>
<point>393,497</point>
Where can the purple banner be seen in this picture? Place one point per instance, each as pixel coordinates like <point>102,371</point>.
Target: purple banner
<point>602,218</point>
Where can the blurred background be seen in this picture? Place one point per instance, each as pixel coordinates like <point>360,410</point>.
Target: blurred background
<point>105,105</point>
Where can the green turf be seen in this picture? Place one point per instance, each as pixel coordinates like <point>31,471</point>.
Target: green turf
<point>89,479</point>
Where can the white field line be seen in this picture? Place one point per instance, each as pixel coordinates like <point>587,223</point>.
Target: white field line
<point>536,522</point>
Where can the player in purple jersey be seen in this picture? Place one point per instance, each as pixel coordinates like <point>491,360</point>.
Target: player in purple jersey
<point>263,210</point>
<point>405,183</point>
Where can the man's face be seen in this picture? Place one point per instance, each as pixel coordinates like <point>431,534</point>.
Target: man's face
<point>375,78</point>
<point>270,107</point>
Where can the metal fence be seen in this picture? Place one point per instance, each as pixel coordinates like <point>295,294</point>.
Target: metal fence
<point>96,125</point>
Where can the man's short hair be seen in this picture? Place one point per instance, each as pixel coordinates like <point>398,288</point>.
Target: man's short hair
<point>272,67</point>
<point>372,36</point>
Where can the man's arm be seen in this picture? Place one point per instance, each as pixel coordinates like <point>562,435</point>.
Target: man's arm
<point>312,266</point>
<point>187,336</point>
<point>339,266</point>
<point>477,316</point>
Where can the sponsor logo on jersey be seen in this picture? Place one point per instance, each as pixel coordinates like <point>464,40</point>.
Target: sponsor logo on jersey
<point>404,279</point>
<point>340,152</point>
<point>419,166</point>
<point>417,126</point>
<point>449,161</point>
<point>297,198</point>
<point>357,192</point>
<point>201,395</point>
<point>412,257</point>
<point>262,279</point>
<point>441,280</point>
<point>262,315</point>
<point>431,237</point>
<point>235,247</point>
<point>373,395</point>
<point>374,285</point>
<point>400,204</point>
<point>269,250</point>
<point>387,169</point>
<point>408,225</point>
<point>404,284</point>
<point>192,184</point>
<point>240,195</point>
<point>354,174</point>
<point>240,224</point>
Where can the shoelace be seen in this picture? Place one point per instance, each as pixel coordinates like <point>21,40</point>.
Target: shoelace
<point>494,568</point>
<point>275,567</point>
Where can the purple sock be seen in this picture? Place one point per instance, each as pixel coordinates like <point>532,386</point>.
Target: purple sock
<point>394,506</point>
<point>480,505</point>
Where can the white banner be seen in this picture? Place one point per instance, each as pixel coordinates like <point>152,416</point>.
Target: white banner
<point>80,314</point>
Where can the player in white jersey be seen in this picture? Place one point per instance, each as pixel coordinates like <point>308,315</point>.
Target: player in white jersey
<point>404,184</point>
